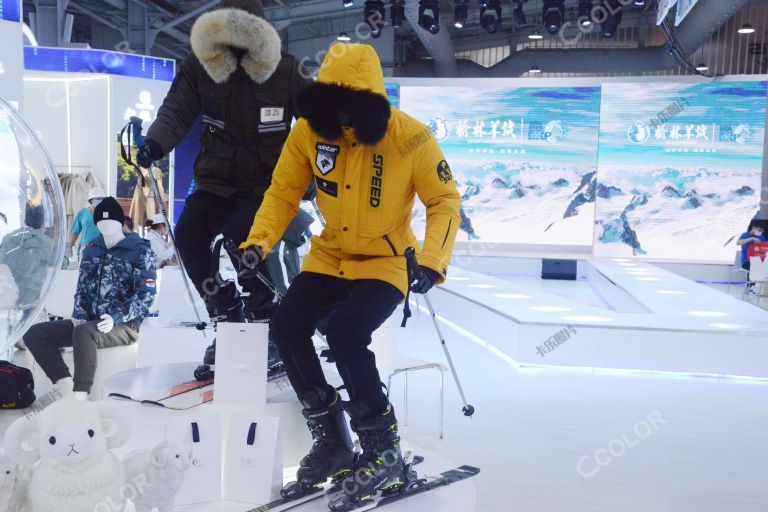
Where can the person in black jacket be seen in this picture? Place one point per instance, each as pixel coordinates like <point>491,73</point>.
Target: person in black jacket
<point>243,86</point>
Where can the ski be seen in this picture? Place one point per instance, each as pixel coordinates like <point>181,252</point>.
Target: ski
<point>287,504</point>
<point>328,489</point>
<point>413,488</point>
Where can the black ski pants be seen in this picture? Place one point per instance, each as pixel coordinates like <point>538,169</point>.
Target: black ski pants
<point>205,216</point>
<point>354,309</point>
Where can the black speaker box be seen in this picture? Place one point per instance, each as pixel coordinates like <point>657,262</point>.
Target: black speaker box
<point>558,269</point>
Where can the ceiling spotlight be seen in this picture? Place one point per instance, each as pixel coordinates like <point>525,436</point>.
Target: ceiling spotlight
<point>611,24</point>
<point>585,13</point>
<point>429,16</point>
<point>343,37</point>
<point>490,15</point>
<point>397,13</point>
<point>640,3</point>
<point>534,69</point>
<point>553,15</point>
<point>348,3</point>
<point>519,15</point>
<point>746,29</point>
<point>374,16</point>
<point>460,13</point>
<point>702,67</point>
<point>535,35</point>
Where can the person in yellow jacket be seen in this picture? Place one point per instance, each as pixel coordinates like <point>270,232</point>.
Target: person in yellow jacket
<point>369,161</point>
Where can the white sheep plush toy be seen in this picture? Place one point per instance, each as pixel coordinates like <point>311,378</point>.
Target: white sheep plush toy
<point>12,486</point>
<point>77,471</point>
<point>155,477</point>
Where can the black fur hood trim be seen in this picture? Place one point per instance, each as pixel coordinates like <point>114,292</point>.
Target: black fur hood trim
<point>320,103</point>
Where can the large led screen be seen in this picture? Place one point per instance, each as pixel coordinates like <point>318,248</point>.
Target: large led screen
<point>524,159</point>
<point>679,168</point>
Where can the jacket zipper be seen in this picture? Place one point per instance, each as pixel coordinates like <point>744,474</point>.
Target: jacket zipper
<point>391,245</point>
<point>98,286</point>
<point>448,231</point>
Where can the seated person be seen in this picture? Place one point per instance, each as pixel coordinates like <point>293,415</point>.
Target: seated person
<point>115,289</point>
<point>157,232</point>
<point>128,226</point>
<point>753,235</point>
<point>28,252</point>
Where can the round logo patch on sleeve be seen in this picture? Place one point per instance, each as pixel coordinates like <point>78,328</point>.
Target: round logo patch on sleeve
<point>444,171</point>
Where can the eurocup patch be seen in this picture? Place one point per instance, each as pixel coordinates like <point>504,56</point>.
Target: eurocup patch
<point>326,157</point>
<point>444,171</point>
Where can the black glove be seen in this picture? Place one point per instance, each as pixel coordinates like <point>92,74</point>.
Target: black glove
<point>249,261</point>
<point>148,153</point>
<point>424,280</point>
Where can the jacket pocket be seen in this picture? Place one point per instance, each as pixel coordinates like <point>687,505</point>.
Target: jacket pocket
<point>391,245</point>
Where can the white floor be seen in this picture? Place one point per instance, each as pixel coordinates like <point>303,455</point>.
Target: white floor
<point>666,444</point>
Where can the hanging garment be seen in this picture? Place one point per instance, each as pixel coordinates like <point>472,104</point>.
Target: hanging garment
<point>143,204</point>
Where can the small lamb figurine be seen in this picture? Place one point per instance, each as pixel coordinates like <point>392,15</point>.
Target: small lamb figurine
<point>12,486</point>
<point>77,471</point>
<point>156,477</point>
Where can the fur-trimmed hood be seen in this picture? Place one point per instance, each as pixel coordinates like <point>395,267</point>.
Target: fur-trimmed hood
<point>350,80</point>
<point>215,33</point>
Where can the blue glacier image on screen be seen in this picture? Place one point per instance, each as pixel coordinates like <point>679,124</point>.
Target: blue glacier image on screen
<point>524,159</point>
<point>679,168</point>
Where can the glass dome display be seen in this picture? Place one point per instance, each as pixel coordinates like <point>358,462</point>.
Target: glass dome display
<point>32,226</point>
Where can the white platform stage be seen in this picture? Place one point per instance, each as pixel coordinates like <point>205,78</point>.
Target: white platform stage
<point>631,316</point>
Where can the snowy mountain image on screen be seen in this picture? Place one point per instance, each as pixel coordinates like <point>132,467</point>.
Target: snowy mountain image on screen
<point>679,171</point>
<point>524,159</point>
<point>523,204</point>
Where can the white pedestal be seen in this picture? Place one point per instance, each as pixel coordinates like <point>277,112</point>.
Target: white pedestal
<point>173,301</point>
<point>166,341</point>
<point>241,364</point>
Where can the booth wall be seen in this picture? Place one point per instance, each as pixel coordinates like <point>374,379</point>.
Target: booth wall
<point>11,61</point>
<point>69,113</point>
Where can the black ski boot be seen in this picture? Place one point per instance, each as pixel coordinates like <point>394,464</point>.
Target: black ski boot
<point>259,309</point>
<point>380,468</point>
<point>332,453</point>
<point>224,306</point>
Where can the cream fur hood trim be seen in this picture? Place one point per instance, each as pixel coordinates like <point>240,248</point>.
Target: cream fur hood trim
<point>215,32</point>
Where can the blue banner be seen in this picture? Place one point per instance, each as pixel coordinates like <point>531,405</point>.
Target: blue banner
<point>73,60</point>
<point>10,10</point>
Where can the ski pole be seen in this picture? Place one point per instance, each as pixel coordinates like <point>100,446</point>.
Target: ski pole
<point>413,269</point>
<point>136,125</point>
<point>317,211</point>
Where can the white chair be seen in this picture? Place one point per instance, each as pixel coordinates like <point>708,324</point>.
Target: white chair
<point>389,360</point>
<point>737,269</point>
<point>61,301</point>
<point>758,275</point>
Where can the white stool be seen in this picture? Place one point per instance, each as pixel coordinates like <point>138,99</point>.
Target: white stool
<point>109,361</point>
<point>172,299</point>
<point>165,341</point>
<point>389,360</point>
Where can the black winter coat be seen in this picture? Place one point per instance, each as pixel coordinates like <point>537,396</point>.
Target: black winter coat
<point>245,122</point>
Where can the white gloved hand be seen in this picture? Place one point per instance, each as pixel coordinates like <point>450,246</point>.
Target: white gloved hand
<point>106,324</point>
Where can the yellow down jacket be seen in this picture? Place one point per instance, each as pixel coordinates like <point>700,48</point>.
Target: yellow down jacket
<point>366,181</point>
